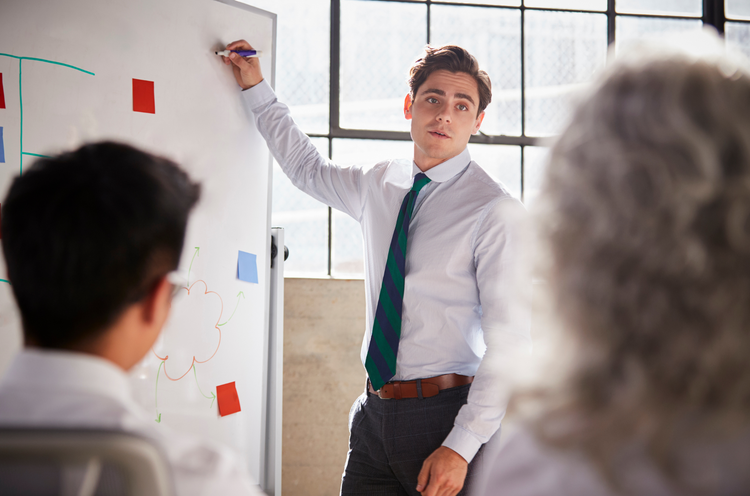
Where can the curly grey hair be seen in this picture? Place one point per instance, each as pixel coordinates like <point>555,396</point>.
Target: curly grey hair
<point>644,219</point>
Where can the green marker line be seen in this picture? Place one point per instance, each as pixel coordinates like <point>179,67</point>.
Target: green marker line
<point>20,95</point>
<point>212,397</point>
<point>35,155</point>
<point>235,307</point>
<point>156,395</point>
<point>47,61</point>
<point>20,101</point>
<point>197,249</point>
<point>59,63</point>
<point>5,280</point>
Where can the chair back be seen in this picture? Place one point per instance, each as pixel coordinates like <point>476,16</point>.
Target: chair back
<point>81,462</point>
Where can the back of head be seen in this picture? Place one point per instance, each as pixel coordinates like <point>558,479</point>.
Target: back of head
<point>645,218</point>
<point>454,59</point>
<point>88,233</point>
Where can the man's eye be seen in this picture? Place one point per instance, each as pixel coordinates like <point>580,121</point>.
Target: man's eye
<point>462,107</point>
<point>431,100</point>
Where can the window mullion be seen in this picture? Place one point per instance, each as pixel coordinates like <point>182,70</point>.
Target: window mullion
<point>714,14</point>
<point>333,117</point>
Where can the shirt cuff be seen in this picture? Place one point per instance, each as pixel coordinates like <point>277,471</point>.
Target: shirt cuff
<point>259,95</point>
<point>463,442</point>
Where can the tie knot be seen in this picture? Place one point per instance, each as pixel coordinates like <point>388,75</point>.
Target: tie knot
<point>420,181</point>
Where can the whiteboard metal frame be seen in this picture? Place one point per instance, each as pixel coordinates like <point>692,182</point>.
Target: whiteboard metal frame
<point>272,380</point>
<point>271,464</point>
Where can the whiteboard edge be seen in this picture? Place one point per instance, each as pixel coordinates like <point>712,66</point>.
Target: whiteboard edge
<point>266,440</point>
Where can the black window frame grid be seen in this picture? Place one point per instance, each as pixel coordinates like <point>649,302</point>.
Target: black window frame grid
<point>713,15</point>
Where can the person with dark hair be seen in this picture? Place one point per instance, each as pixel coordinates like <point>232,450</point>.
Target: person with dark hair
<point>90,239</point>
<point>644,227</point>
<point>443,247</point>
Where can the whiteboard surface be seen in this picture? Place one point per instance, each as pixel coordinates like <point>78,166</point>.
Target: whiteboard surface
<point>216,333</point>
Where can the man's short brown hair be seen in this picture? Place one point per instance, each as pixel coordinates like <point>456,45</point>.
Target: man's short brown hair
<point>454,59</point>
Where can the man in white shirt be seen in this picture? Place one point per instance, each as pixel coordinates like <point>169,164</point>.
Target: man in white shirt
<point>89,238</point>
<point>432,303</point>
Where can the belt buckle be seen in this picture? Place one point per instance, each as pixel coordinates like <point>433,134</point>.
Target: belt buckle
<point>377,393</point>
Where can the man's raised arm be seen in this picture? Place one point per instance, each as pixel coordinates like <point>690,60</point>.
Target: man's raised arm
<point>340,188</point>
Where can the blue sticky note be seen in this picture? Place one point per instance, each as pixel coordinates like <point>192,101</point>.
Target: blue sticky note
<point>247,268</point>
<point>2,147</point>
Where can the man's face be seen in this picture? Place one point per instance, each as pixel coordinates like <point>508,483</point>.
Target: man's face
<point>443,117</point>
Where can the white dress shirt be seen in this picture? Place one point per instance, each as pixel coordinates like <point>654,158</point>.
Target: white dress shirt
<point>465,246</point>
<point>65,389</point>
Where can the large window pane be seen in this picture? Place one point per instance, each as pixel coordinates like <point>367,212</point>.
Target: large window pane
<point>737,35</point>
<point>493,36</point>
<point>737,9</point>
<point>303,59</point>
<point>598,5</point>
<point>629,30</point>
<point>669,7</point>
<point>534,166</point>
<point>305,223</point>
<point>562,50</point>
<point>348,250</point>
<point>379,42</point>
<point>501,162</point>
<point>348,152</point>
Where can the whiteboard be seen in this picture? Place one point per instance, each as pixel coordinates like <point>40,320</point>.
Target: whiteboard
<point>67,75</point>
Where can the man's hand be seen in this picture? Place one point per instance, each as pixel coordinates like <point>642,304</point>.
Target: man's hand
<point>442,474</point>
<point>246,71</point>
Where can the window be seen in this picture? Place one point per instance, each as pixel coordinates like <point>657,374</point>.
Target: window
<point>342,65</point>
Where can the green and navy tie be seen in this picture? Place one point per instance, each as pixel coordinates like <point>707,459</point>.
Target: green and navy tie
<point>386,331</point>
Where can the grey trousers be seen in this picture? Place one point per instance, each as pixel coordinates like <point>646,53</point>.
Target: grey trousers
<point>390,439</point>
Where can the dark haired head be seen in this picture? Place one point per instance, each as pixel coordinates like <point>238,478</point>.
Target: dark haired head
<point>88,233</point>
<point>453,59</point>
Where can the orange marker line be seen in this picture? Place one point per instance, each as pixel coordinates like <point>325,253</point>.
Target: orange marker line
<point>216,326</point>
<point>183,375</point>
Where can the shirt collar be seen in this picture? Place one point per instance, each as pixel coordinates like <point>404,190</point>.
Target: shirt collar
<point>55,369</point>
<point>447,170</point>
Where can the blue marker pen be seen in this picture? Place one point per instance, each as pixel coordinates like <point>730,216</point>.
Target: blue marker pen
<point>241,53</point>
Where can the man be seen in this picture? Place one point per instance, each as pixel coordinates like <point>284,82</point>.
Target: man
<point>90,238</point>
<point>442,242</point>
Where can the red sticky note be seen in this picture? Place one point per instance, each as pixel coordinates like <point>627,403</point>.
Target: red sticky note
<point>2,92</point>
<point>143,96</point>
<point>226,396</point>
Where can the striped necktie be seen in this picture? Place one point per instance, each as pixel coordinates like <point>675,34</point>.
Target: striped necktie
<point>386,331</point>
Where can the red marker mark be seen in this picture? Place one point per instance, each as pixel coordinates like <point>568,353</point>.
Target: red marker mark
<point>2,92</point>
<point>229,402</point>
<point>143,96</point>
<point>216,326</point>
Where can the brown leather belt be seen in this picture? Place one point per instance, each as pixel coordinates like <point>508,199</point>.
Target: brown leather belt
<point>420,388</point>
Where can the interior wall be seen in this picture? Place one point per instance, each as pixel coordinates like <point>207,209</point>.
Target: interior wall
<point>324,321</point>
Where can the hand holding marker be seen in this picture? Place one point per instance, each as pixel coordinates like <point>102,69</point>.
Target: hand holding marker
<point>246,70</point>
<point>241,53</point>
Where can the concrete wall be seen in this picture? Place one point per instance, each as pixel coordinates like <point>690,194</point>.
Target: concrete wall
<point>324,321</point>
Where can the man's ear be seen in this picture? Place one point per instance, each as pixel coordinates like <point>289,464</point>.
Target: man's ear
<point>478,123</point>
<point>157,302</point>
<point>407,107</point>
